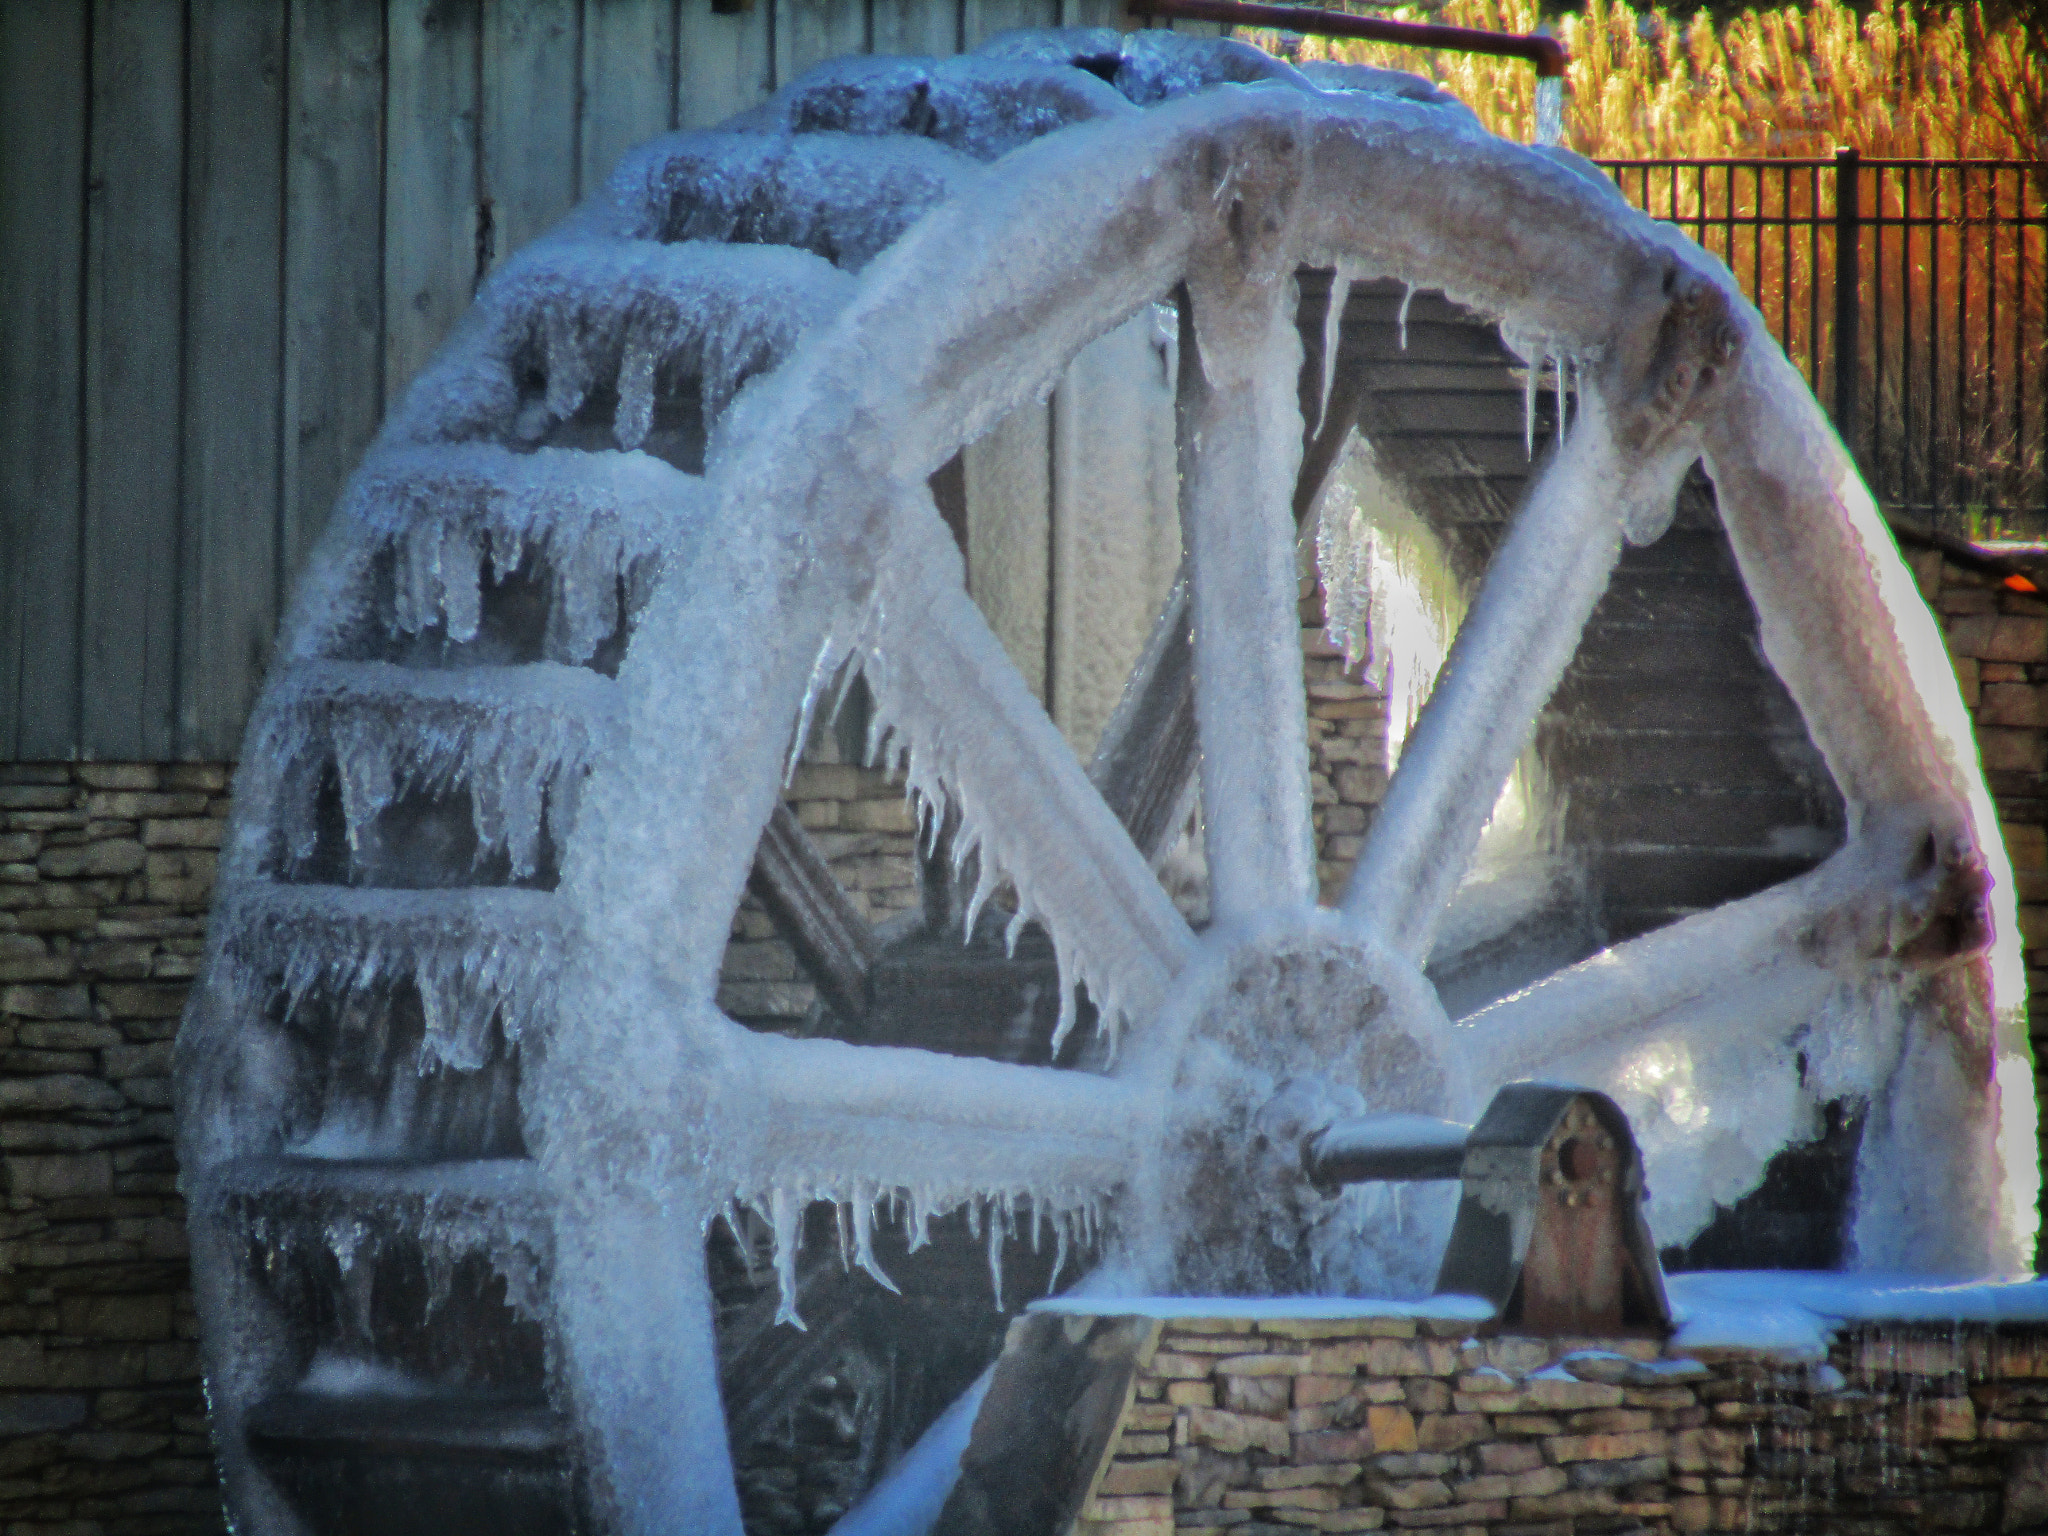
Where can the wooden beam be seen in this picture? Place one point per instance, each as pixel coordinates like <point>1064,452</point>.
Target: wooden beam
<point>832,940</point>
<point>1147,753</point>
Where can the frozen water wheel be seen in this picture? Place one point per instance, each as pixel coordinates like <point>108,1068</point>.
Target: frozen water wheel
<point>457,1105</point>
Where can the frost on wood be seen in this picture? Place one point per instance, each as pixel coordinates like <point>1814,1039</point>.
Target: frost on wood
<point>636,316</point>
<point>843,196</point>
<point>451,519</point>
<point>490,957</point>
<point>518,741</point>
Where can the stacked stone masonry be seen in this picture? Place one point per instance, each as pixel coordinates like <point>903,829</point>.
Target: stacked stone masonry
<point>105,871</point>
<point>1279,1428</point>
<point>105,874</point>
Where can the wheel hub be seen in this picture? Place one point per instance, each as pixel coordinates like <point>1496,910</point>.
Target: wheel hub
<point>1286,1027</point>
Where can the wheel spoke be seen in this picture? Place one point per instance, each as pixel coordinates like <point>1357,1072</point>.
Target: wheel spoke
<point>1875,899</point>
<point>811,910</point>
<point>973,735</point>
<point>892,1117</point>
<point>1503,666</point>
<point>1241,449</point>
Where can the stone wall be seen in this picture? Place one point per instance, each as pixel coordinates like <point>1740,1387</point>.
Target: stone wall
<point>1277,1427</point>
<point>105,871</point>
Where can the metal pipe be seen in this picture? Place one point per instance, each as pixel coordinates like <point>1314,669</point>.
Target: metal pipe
<point>1384,1147</point>
<point>1546,53</point>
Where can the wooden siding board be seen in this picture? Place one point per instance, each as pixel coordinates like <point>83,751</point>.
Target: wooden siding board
<point>233,389</point>
<point>530,163</point>
<point>808,32</point>
<point>430,192</point>
<point>916,26</point>
<point>334,268</point>
<point>1098,13</point>
<point>134,265</point>
<point>724,62</point>
<point>43,53</point>
<point>983,19</point>
<point>629,78</point>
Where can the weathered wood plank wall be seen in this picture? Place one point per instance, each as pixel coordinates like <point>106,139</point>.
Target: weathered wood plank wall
<point>230,232</point>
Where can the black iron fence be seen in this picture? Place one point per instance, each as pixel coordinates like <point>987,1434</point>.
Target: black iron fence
<point>1930,347</point>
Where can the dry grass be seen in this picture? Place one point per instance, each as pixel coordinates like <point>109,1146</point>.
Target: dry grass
<point>1900,81</point>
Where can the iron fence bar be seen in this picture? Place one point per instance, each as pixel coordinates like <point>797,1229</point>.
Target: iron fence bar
<point>1954,461</point>
<point>1848,302</point>
<point>1935,473</point>
<point>1785,255</point>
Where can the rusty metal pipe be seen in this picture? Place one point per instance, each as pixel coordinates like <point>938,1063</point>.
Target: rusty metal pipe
<point>1546,53</point>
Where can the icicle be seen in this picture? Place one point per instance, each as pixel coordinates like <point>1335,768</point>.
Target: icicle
<point>1059,1252</point>
<point>1333,325</point>
<point>864,1236</point>
<point>995,1259</point>
<point>920,1231</point>
<point>787,1219</point>
<point>1401,320</point>
<point>822,673</point>
<point>842,1226</point>
<point>1530,378</point>
<point>730,1215</point>
<point>1069,983</point>
<point>1559,364</point>
<point>440,1276</point>
<point>633,418</point>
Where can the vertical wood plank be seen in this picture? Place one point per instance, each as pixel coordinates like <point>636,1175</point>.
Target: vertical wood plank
<point>983,19</point>
<point>917,26</point>
<point>808,32</point>
<point>334,262</point>
<point>234,214</point>
<point>128,607</point>
<point>1008,560</point>
<point>629,78</point>
<point>724,62</point>
<point>430,191</point>
<point>42,249</point>
<point>529,114</point>
<point>1098,13</point>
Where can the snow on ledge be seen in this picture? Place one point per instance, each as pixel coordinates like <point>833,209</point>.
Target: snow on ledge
<point>1786,1312</point>
<point>1463,1309</point>
<point>1795,1311</point>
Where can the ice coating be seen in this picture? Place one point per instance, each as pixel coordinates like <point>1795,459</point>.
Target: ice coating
<point>453,516</point>
<point>816,550</point>
<point>517,740</point>
<point>493,1208</point>
<point>489,958</point>
<point>843,196</point>
<point>1159,63</point>
<point>982,105</point>
<point>637,316</point>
